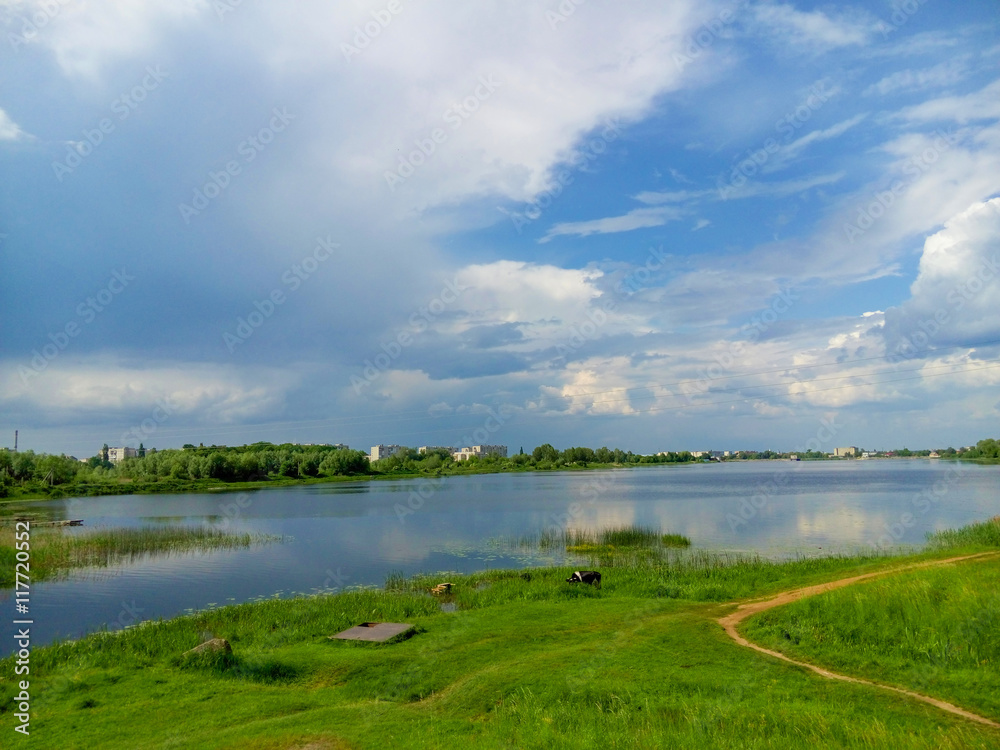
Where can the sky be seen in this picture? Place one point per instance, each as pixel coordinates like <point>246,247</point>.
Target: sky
<point>691,225</point>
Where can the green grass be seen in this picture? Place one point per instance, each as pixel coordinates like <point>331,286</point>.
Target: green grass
<point>56,550</point>
<point>615,546</point>
<point>525,661</point>
<point>675,540</point>
<point>982,534</point>
<point>934,631</point>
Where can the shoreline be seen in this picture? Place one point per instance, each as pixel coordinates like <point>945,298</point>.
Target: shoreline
<point>170,486</point>
<point>167,487</point>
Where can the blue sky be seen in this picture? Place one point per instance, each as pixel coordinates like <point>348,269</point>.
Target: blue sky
<point>655,226</point>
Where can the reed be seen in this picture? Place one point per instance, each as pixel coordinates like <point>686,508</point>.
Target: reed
<point>55,550</point>
<point>588,541</point>
<point>982,534</point>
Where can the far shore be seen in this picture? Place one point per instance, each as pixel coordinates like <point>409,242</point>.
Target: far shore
<point>205,486</point>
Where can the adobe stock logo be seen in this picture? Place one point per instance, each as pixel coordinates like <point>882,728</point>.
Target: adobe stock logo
<point>88,310</point>
<point>293,278</point>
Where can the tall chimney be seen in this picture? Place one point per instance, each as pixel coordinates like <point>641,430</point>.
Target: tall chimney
<point>15,441</point>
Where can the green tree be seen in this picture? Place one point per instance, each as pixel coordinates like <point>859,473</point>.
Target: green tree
<point>545,452</point>
<point>23,465</point>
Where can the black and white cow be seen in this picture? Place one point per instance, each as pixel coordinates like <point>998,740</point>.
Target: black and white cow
<point>585,576</point>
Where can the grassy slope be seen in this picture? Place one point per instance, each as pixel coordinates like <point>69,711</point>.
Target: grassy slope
<point>523,663</point>
<point>935,631</point>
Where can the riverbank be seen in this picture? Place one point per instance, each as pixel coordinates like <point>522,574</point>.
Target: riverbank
<point>528,660</point>
<point>168,485</point>
<point>177,486</point>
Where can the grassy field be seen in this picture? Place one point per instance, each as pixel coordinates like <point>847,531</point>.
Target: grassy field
<point>525,660</point>
<point>935,631</point>
<point>55,550</point>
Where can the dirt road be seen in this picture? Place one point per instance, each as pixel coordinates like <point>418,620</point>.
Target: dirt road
<point>730,621</point>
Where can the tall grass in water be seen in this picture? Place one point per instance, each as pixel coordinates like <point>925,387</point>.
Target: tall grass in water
<point>632,537</point>
<point>111,546</point>
<point>982,534</point>
<point>55,550</point>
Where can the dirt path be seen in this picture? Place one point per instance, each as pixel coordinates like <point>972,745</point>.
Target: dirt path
<point>730,621</point>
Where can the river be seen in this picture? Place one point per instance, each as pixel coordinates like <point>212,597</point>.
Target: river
<point>349,534</point>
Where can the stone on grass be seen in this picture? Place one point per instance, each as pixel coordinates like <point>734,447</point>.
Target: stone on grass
<point>216,644</point>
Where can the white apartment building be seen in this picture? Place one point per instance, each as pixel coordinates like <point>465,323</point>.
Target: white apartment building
<point>480,450</point>
<point>384,451</point>
<point>117,455</point>
<point>426,448</point>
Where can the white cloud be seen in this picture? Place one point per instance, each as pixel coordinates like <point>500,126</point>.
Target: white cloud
<point>638,218</point>
<point>641,218</point>
<point>557,90</point>
<point>792,150</point>
<point>944,74</point>
<point>788,187</point>
<point>599,386</point>
<point>979,105</point>
<point>85,40</point>
<point>677,196</point>
<point>214,394</point>
<point>552,87</point>
<point>813,30</point>
<point>956,295</point>
<point>512,291</point>
<point>9,130</point>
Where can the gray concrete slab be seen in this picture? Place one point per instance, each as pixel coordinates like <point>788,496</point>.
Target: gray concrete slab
<point>373,631</point>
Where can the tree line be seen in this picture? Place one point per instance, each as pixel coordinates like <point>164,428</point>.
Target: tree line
<point>439,460</point>
<point>44,473</point>
<point>248,463</point>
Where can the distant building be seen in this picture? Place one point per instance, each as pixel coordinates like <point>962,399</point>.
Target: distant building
<point>117,455</point>
<point>844,452</point>
<point>480,451</point>
<point>699,454</point>
<point>384,451</point>
<point>429,448</point>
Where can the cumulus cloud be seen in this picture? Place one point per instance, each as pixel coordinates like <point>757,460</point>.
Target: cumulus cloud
<point>955,298</point>
<point>516,291</point>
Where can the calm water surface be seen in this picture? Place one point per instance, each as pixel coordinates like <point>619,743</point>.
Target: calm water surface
<point>343,535</point>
